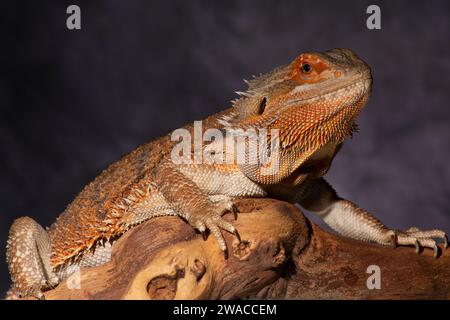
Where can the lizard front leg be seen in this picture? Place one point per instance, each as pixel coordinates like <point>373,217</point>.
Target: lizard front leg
<point>191,203</point>
<point>348,219</point>
<point>28,256</point>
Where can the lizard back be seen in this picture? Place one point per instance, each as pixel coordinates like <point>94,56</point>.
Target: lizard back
<point>97,211</point>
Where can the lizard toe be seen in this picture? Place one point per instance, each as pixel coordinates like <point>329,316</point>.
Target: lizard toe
<point>421,239</point>
<point>227,206</point>
<point>227,226</point>
<point>215,231</point>
<point>424,234</point>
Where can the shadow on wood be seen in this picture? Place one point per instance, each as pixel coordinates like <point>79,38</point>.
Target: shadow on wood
<point>282,255</point>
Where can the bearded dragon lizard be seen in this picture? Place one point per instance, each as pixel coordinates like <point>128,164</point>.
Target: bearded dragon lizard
<point>313,102</point>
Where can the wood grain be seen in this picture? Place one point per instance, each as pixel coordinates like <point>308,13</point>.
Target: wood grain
<point>282,255</point>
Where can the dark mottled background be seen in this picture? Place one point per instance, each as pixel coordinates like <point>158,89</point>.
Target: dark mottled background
<point>72,102</point>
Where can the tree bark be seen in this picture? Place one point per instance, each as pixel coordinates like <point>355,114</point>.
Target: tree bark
<point>282,255</point>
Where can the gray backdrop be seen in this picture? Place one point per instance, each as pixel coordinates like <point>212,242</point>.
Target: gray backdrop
<point>72,102</point>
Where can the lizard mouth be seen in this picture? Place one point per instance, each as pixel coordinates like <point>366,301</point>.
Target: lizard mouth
<point>347,93</point>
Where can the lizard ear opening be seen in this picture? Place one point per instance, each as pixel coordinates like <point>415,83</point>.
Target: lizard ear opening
<point>262,106</point>
<point>244,108</point>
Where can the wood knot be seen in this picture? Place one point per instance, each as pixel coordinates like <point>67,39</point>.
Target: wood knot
<point>164,287</point>
<point>198,269</point>
<point>280,255</point>
<point>242,250</point>
<point>350,278</point>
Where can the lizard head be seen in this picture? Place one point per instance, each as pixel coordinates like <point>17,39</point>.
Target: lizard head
<point>312,101</point>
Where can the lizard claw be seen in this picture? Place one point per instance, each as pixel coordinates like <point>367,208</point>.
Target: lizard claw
<point>213,221</point>
<point>235,213</point>
<point>417,245</point>
<point>236,233</point>
<point>228,207</point>
<point>436,251</point>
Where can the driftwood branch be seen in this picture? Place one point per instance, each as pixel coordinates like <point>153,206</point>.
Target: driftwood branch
<point>282,255</point>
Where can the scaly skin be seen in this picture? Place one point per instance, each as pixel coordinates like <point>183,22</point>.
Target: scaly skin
<point>313,102</point>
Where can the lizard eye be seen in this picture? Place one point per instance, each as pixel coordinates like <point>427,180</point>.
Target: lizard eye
<point>306,68</point>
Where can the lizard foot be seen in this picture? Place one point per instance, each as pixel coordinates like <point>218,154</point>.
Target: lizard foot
<point>419,238</point>
<point>212,220</point>
<point>15,294</point>
<point>28,255</point>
